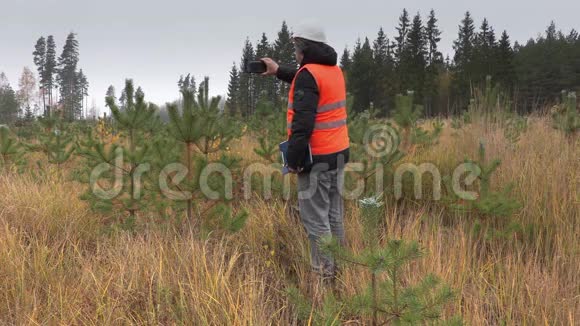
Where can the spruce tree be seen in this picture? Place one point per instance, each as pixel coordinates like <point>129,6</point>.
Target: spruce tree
<point>110,94</point>
<point>263,86</point>
<point>8,101</point>
<point>433,37</point>
<point>361,77</point>
<point>551,32</point>
<point>573,36</point>
<point>28,116</point>
<point>283,53</point>
<point>81,91</point>
<point>233,101</point>
<point>484,61</point>
<point>345,61</point>
<point>247,82</point>
<point>463,61</point>
<point>463,46</point>
<point>383,88</point>
<point>401,39</point>
<point>540,81</point>
<point>412,61</point>
<point>505,74</point>
<point>435,65</point>
<point>283,48</point>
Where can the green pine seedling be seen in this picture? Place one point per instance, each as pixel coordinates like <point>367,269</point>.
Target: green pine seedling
<point>186,127</point>
<point>59,147</point>
<point>221,217</point>
<point>327,314</point>
<point>456,123</point>
<point>135,116</point>
<point>116,173</point>
<point>565,116</point>
<point>270,126</point>
<point>163,152</point>
<point>492,203</point>
<point>11,151</point>
<point>515,126</point>
<point>56,142</point>
<point>486,203</point>
<point>459,121</point>
<point>424,138</point>
<point>217,130</point>
<point>490,104</point>
<point>267,149</point>
<point>201,128</point>
<point>381,155</point>
<point>406,115</point>
<point>384,300</point>
<point>116,185</point>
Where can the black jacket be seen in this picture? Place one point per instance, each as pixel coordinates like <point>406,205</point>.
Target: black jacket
<point>305,103</point>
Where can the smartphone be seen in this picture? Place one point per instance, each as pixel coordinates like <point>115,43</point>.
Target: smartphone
<point>255,67</point>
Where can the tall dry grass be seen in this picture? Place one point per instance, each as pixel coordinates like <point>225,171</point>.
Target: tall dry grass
<point>62,264</point>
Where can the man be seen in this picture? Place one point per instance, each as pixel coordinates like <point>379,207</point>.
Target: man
<point>317,117</point>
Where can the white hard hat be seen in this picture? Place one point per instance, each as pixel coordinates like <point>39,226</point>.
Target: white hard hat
<point>310,31</point>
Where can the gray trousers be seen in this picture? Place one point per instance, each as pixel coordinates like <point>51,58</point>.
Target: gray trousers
<point>321,211</point>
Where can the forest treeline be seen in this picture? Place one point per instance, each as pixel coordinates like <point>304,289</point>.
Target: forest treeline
<point>531,75</point>
<point>59,84</point>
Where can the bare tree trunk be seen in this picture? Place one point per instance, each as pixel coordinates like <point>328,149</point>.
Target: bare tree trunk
<point>39,100</point>
<point>43,99</point>
<point>189,179</point>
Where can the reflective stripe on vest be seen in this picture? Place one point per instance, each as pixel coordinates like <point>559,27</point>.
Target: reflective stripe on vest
<point>325,107</point>
<point>330,134</point>
<point>325,125</point>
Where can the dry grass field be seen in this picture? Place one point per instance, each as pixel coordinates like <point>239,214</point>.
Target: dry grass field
<point>60,264</point>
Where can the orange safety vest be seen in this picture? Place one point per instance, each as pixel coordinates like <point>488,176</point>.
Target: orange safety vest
<point>330,134</point>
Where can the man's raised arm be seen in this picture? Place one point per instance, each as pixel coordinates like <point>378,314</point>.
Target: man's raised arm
<point>283,73</point>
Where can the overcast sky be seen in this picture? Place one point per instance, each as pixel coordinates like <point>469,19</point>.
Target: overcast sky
<point>154,42</point>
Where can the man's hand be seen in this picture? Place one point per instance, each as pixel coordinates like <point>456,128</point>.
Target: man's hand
<point>295,171</point>
<point>271,67</point>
